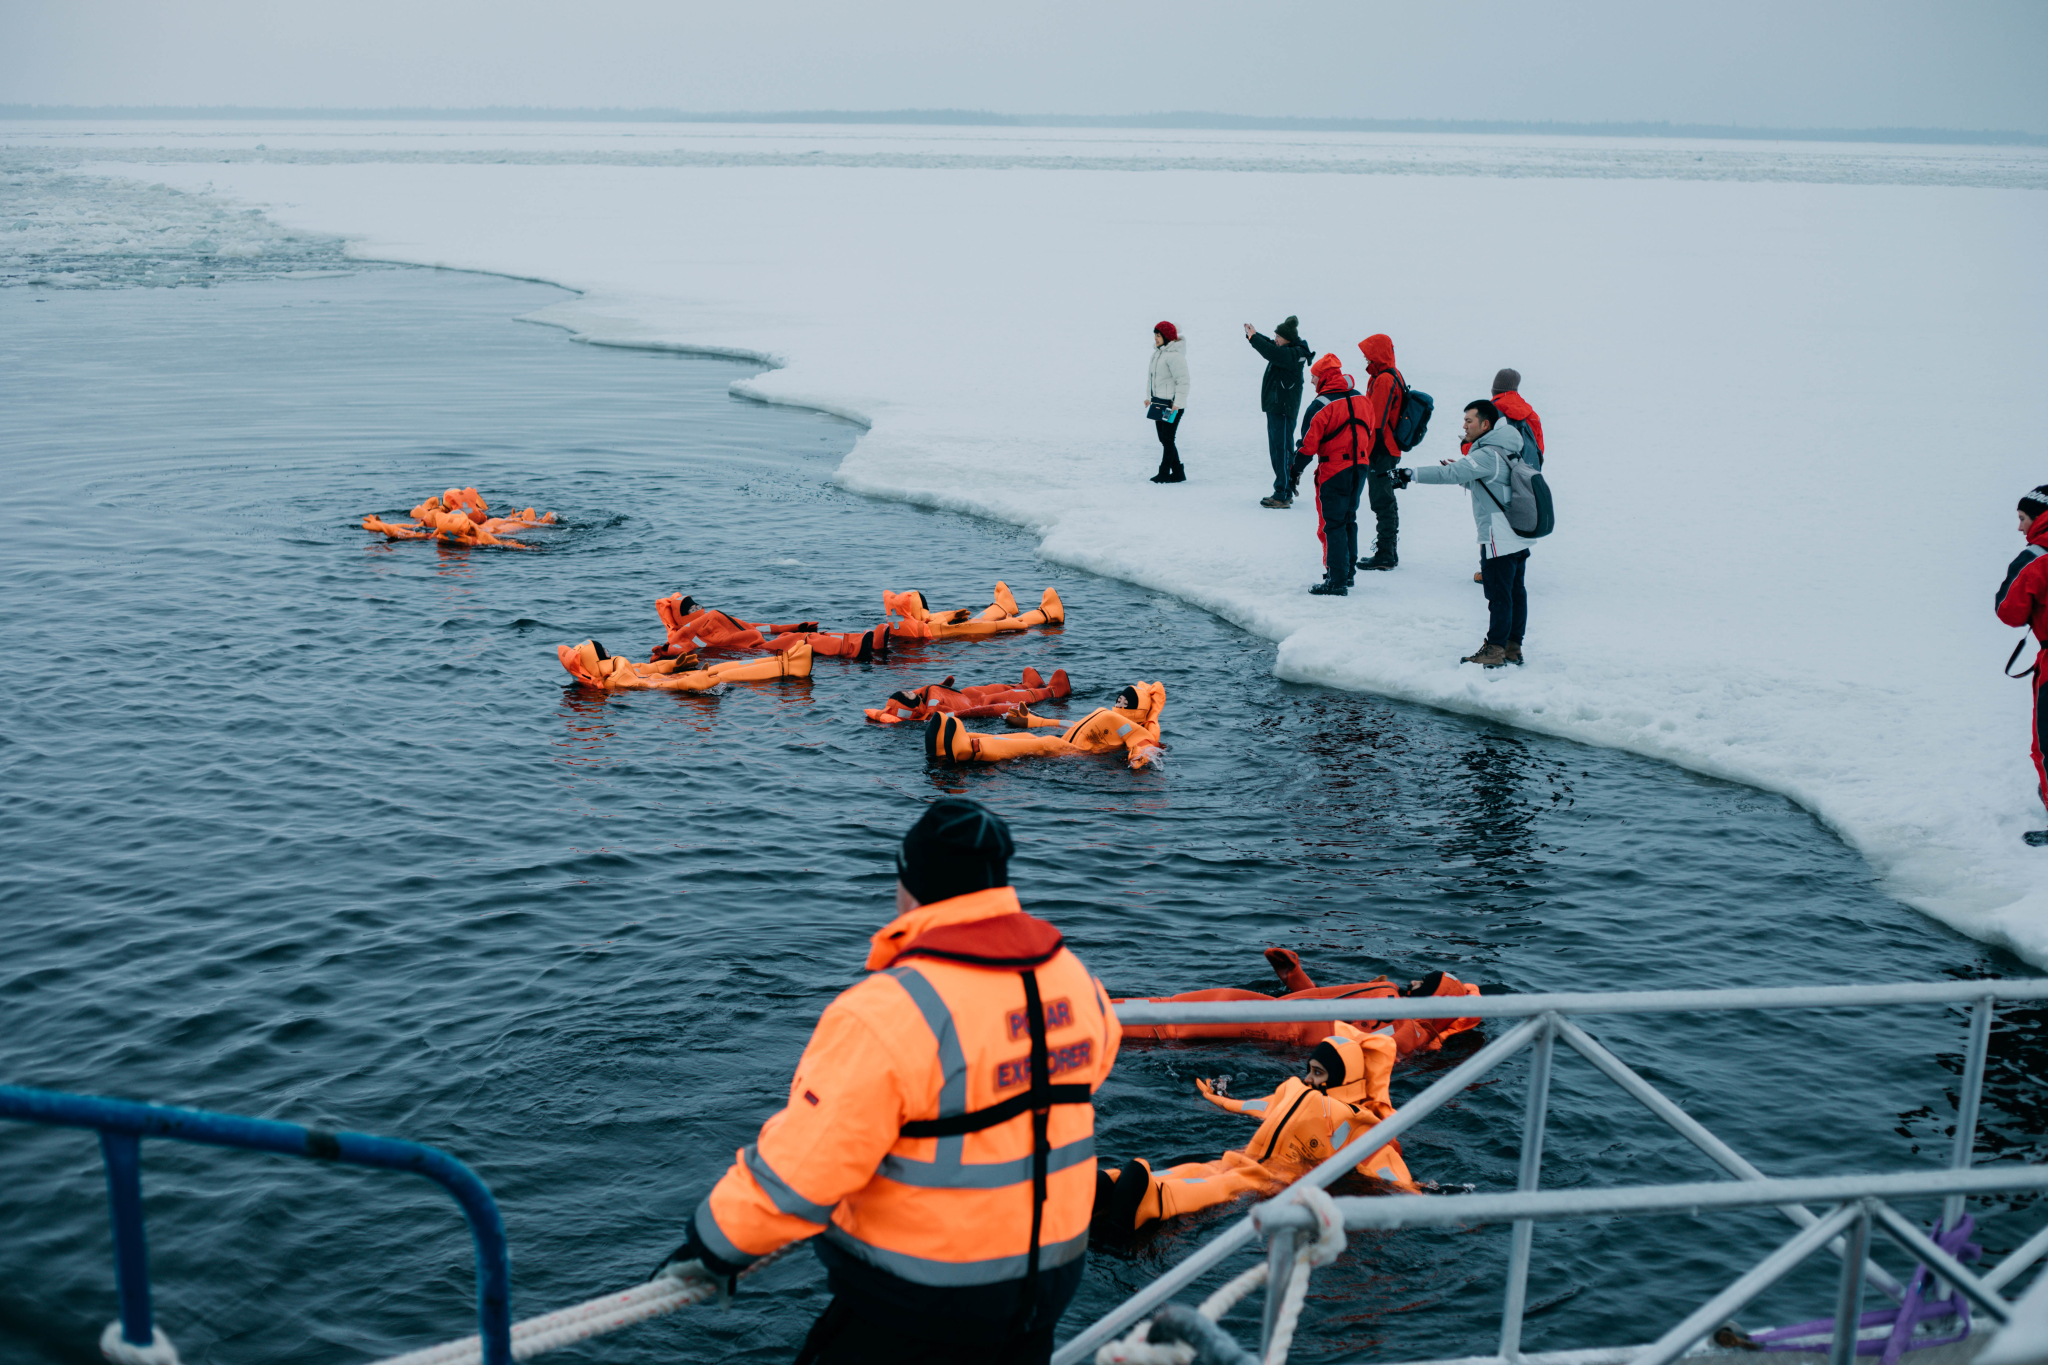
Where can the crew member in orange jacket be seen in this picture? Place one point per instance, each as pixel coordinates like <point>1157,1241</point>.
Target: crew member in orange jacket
<point>1132,725</point>
<point>1302,1124</point>
<point>986,699</point>
<point>589,664</point>
<point>1409,1035</point>
<point>939,1137</point>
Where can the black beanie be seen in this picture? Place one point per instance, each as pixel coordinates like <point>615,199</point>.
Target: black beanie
<point>956,846</point>
<point>1428,986</point>
<point>1332,1060</point>
<point>2036,502</point>
<point>1289,330</point>
<point>1507,381</point>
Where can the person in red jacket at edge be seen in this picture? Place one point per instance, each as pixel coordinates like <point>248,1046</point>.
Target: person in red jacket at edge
<point>1337,435</point>
<point>2023,601</point>
<point>1384,390</point>
<point>1507,396</point>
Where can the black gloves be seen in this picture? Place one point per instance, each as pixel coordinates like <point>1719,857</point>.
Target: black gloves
<point>1402,478</point>
<point>695,1250</point>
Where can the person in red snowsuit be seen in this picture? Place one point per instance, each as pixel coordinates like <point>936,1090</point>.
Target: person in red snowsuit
<point>1337,435</point>
<point>2023,601</point>
<point>1384,391</point>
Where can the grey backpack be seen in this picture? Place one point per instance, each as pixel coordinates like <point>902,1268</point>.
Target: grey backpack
<point>1528,507</point>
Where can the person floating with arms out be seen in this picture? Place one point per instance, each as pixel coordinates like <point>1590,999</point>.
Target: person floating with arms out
<point>939,1136</point>
<point>1166,398</point>
<point>591,665</point>
<point>2023,601</point>
<point>1130,727</point>
<point>1302,1124</point>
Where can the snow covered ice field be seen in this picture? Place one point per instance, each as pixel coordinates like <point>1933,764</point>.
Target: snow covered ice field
<point>1792,391</point>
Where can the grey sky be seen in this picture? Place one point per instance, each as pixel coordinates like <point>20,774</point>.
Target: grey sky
<point>1826,63</point>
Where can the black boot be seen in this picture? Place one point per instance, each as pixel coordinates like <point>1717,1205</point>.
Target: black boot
<point>1382,557</point>
<point>2036,838</point>
<point>1329,588</point>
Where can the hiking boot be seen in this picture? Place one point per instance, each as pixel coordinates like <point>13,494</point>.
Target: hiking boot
<point>1326,588</point>
<point>1276,502</point>
<point>1514,653</point>
<point>1487,656</point>
<point>1380,559</point>
<point>2036,838</point>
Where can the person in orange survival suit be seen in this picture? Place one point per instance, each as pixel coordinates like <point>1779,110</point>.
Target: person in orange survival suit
<point>918,622</point>
<point>589,664</point>
<point>1132,725</point>
<point>1409,1035</point>
<point>689,625</point>
<point>1302,1124</point>
<point>939,1139</point>
<point>986,699</point>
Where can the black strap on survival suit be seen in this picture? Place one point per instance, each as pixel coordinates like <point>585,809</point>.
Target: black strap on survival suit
<point>1037,1100</point>
<point>2013,658</point>
<point>1351,419</point>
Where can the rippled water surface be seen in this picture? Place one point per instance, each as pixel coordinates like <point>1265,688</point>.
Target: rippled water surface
<point>305,825</point>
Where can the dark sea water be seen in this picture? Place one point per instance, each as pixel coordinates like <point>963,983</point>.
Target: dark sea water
<point>304,825</point>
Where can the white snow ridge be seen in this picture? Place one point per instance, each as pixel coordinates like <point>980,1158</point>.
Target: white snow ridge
<point>1791,405</point>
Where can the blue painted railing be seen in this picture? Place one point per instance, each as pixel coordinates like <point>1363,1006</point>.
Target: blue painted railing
<point>122,1124</point>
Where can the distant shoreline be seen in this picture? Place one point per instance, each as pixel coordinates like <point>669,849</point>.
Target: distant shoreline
<point>983,118</point>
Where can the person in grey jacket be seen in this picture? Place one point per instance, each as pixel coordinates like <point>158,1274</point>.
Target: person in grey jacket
<point>1503,556</point>
<point>1166,383</point>
<point>1280,400</point>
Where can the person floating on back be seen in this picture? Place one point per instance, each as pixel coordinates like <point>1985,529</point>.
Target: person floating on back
<point>1280,400</point>
<point>1166,398</point>
<point>2023,601</point>
<point>1503,556</point>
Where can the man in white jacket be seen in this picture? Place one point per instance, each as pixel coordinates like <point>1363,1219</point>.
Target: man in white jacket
<point>1167,384</point>
<point>1503,555</point>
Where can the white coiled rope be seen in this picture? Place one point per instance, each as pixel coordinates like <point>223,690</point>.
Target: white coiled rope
<point>580,1322</point>
<point>1163,1339</point>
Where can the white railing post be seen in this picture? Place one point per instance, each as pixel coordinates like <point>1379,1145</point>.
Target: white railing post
<point>1849,1298</point>
<point>1527,1182</point>
<point>1968,1103</point>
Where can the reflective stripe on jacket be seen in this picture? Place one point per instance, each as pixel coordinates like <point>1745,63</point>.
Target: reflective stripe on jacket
<point>939,1037</point>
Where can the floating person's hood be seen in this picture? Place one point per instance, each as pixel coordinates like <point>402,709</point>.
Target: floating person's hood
<point>1357,1073</point>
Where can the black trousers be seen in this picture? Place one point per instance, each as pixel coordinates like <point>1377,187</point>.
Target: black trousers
<point>843,1337</point>
<point>1169,454</point>
<point>1386,513</point>
<point>1507,598</point>
<point>1280,446</point>
<point>1337,524</point>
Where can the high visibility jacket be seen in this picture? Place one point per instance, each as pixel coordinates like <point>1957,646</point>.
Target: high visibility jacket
<point>924,1137</point>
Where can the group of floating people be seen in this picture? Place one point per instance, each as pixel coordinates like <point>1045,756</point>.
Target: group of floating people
<point>460,516</point>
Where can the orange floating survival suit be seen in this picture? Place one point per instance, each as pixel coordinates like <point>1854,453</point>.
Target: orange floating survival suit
<point>1132,727</point>
<point>919,622</point>
<point>1300,1127</point>
<point>458,517</point>
<point>690,627</point>
<point>940,1129</point>
<point>1409,1035</point>
<point>591,666</point>
<point>987,699</point>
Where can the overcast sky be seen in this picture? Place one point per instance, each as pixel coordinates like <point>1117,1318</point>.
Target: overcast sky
<point>1793,63</point>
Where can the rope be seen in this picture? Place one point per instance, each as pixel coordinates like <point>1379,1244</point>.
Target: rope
<point>1176,1336</point>
<point>580,1322</point>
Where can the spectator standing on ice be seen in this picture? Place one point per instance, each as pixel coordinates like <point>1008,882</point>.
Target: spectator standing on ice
<point>1339,437</point>
<point>1280,400</point>
<point>1166,392</point>
<point>1507,396</point>
<point>1503,556</point>
<point>2023,601</point>
<point>1384,390</point>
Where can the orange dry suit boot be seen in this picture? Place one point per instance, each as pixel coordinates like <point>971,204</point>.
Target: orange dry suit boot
<point>925,1097</point>
<point>373,522</point>
<point>589,664</point>
<point>1131,727</point>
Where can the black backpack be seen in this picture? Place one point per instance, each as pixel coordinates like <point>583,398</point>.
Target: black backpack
<point>1413,422</point>
<point>1530,445</point>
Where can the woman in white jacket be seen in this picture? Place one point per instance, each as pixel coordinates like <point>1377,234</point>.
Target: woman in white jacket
<point>1167,385</point>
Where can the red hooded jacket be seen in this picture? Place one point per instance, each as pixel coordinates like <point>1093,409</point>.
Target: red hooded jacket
<point>2023,601</point>
<point>1382,393</point>
<point>1340,431</point>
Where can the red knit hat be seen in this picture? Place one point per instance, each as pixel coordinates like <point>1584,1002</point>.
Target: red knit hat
<point>1167,330</point>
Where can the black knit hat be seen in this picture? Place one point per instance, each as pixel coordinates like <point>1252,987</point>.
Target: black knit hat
<point>1507,381</point>
<point>1332,1060</point>
<point>1289,330</point>
<point>956,846</point>
<point>2035,502</point>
